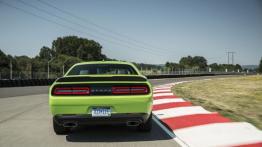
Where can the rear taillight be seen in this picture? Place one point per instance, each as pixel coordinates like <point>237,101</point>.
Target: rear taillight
<point>71,91</point>
<point>130,90</point>
<point>139,90</point>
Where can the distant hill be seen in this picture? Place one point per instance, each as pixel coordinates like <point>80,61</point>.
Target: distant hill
<point>249,66</point>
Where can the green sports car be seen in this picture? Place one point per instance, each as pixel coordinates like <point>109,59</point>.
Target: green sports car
<point>104,92</point>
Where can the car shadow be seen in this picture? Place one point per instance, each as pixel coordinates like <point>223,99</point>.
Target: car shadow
<point>116,134</point>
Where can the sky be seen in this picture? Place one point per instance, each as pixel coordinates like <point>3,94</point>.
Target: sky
<point>145,31</point>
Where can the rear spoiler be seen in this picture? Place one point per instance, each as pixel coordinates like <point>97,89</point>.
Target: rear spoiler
<point>113,78</point>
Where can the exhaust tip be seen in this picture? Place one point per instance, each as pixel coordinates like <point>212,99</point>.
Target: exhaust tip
<point>70,124</point>
<point>133,123</point>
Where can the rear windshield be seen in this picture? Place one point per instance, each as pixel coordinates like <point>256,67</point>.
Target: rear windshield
<point>102,69</point>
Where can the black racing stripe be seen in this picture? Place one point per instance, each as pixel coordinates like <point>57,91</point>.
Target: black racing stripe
<point>113,78</point>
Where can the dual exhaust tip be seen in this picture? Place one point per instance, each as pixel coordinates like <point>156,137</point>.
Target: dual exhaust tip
<point>70,124</point>
<point>133,123</point>
<point>128,123</point>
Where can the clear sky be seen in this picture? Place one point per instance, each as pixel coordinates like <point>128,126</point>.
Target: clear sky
<point>153,31</point>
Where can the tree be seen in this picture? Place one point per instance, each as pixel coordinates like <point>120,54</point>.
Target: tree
<point>260,66</point>
<point>223,67</point>
<point>24,65</point>
<point>78,47</point>
<point>39,67</point>
<point>200,62</point>
<point>172,66</point>
<point>214,66</point>
<point>4,65</point>
<point>167,65</point>
<point>186,62</point>
<point>4,61</point>
<point>197,62</point>
<point>238,67</point>
<point>46,53</point>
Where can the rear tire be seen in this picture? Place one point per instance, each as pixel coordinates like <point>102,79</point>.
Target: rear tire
<point>147,126</point>
<point>60,129</point>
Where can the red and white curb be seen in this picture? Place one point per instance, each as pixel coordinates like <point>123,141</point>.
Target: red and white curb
<point>196,127</point>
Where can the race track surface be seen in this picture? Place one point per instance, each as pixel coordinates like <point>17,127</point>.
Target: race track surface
<point>25,121</point>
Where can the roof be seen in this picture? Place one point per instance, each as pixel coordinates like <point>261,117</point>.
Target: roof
<point>104,62</point>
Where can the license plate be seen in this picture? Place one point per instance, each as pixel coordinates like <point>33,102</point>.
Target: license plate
<point>101,112</point>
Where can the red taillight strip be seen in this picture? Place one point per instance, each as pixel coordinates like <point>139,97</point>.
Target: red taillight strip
<point>62,91</point>
<point>139,90</point>
<point>71,91</point>
<point>130,90</point>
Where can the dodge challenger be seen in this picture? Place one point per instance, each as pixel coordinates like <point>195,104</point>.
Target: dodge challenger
<point>100,93</point>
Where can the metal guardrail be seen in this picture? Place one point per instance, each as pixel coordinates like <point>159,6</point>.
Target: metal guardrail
<point>45,82</point>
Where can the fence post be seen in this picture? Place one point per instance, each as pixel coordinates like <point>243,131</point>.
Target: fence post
<point>11,70</point>
<point>210,69</point>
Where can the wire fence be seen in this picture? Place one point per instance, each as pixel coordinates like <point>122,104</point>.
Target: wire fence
<point>28,75</point>
<point>19,75</point>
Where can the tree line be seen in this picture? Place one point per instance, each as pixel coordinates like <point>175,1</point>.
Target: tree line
<point>65,52</point>
<point>199,63</point>
<point>260,66</point>
<point>68,50</point>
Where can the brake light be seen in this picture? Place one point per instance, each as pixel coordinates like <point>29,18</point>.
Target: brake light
<point>139,90</point>
<point>71,91</point>
<point>130,90</point>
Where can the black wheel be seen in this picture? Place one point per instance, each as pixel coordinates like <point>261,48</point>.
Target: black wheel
<point>60,129</point>
<point>147,126</point>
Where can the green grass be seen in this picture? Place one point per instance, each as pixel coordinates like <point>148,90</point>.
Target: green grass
<point>238,98</point>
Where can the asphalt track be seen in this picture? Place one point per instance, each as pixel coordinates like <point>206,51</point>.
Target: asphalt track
<point>25,121</point>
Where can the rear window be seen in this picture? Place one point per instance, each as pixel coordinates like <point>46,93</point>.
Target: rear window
<point>102,69</point>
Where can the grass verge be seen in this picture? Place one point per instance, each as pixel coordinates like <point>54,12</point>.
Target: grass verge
<point>238,98</point>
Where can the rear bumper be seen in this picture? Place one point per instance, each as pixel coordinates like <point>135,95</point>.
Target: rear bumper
<point>87,119</point>
<point>84,105</point>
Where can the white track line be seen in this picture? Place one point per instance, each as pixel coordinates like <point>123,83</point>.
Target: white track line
<point>163,90</point>
<point>163,87</point>
<point>181,82</point>
<point>180,111</point>
<point>172,84</point>
<point>163,94</point>
<point>167,100</point>
<point>220,134</point>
